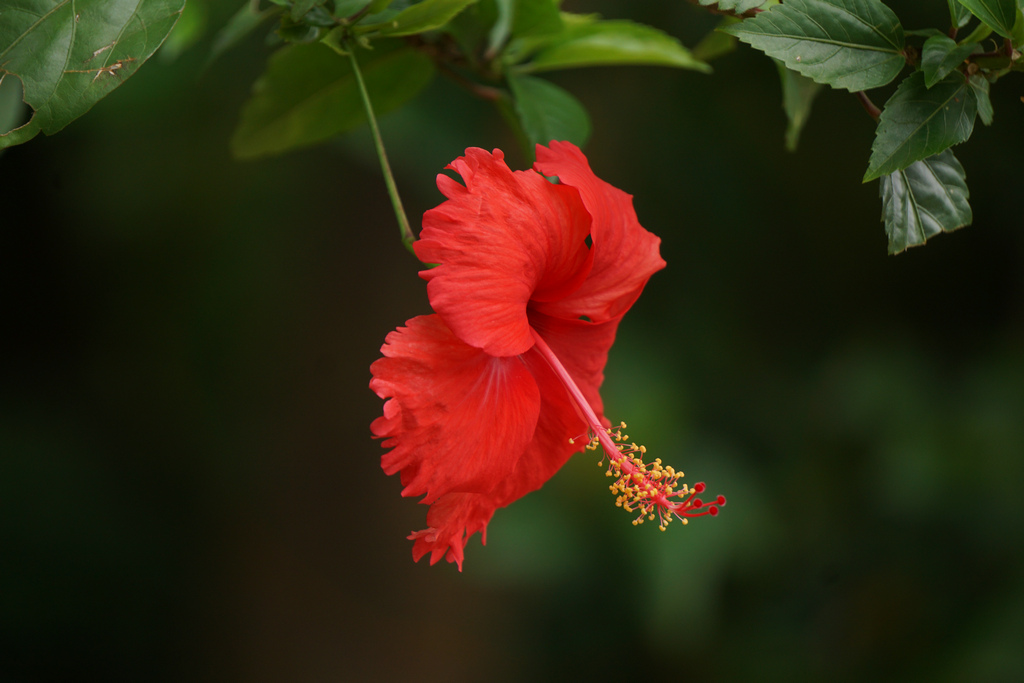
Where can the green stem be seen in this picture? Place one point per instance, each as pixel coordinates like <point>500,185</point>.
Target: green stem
<point>403,222</point>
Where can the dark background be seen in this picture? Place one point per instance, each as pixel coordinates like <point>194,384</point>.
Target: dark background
<point>188,489</point>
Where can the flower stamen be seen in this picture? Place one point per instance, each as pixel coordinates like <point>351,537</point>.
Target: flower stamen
<point>651,489</point>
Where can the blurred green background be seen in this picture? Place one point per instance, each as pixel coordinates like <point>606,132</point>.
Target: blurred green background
<point>189,491</point>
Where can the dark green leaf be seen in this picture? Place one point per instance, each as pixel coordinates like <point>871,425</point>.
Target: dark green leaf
<point>338,40</point>
<point>242,23</point>
<point>69,55</point>
<point>736,6</point>
<point>536,17</point>
<point>924,199</point>
<point>918,122</point>
<point>424,16</point>
<point>999,14</point>
<point>716,43</point>
<point>547,112</point>
<point>319,17</point>
<point>1017,34</point>
<point>980,86</point>
<point>958,14</point>
<point>296,31</point>
<point>471,30</point>
<point>852,44</point>
<point>941,55</point>
<point>300,7</point>
<point>346,8</point>
<point>309,94</point>
<point>612,42</point>
<point>798,93</point>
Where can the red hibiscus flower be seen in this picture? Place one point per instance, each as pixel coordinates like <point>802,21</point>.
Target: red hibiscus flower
<point>489,396</point>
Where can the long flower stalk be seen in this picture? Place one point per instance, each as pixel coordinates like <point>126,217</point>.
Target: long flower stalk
<point>389,179</point>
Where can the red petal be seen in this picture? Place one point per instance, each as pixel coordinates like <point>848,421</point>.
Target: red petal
<point>452,519</point>
<point>582,348</point>
<point>457,420</point>
<point>502,240</point>
<point>625,254</point>
<point>455,517</point>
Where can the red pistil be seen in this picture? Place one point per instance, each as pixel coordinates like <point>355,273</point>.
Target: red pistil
<point>648,488</point>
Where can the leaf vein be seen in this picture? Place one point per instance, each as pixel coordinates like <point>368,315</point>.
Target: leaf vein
<point>31,28</point>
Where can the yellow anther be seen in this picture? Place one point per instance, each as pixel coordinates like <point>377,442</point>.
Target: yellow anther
<point>650,489</point>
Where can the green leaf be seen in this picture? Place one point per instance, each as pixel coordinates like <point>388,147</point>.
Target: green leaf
<point>300,7</point>
<point>309,94</point>
<point>852,44</point>
<point>941,55</point>
<point>923,32</point>
<point>980,86</point>
<point>924,199</point>
<point>547,112</point>
<point>346,8</point>
<point>69,55</point>
<point>424,16</point>
<point>958,14</point>
<point>735,6</point>
<point>319,17</point>
<point>536,17</point>
<point>532,21</point>
<point>190,28</point>
<point>296,31</point>
<point>471,30</point>
<point>716,43</point>
<point>798,93</point>
<point>980,33</point>
<point>918,122</point>
<point>1017,34</point>
<point>999,14</point>
<point>501,29</point>
<point>612,42</point>
<point>242,23</point>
